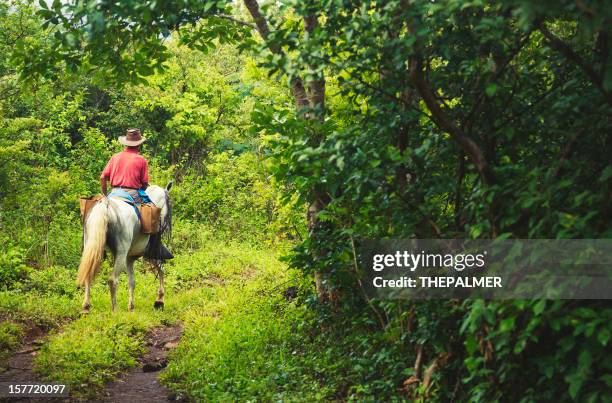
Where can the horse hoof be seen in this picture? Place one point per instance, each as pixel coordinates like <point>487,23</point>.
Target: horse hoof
<point>158,305</point>
<point>85,309</point>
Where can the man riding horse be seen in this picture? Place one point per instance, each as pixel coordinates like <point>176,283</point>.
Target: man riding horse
<point>114,223</point>
<point>128,171</point>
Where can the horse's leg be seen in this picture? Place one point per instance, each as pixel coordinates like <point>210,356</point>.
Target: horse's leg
<point>86,304</point>
<point>131,281</point>
<point>113,281</point>
<point>159,302</point>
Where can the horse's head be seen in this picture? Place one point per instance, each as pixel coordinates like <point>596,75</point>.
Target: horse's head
<point>161,198</point>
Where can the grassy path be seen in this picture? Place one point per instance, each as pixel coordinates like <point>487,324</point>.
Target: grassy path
<point>142,383</point>
<point>93,350</point>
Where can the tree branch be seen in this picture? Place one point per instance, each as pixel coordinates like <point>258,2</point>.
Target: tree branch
<point>440,117</point>
<point>500,71</point>
<point>260,21</point>
<point>297,86</point>
<point>236,20</point>
<point>316,88</point>
<point>563,48</point>
<point>444,122</point>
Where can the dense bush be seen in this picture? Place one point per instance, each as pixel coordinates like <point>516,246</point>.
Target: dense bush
<point>12,265</point>
<point>451,120</point>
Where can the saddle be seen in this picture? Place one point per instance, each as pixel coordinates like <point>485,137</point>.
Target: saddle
<point>122,194</point>
<point>148,213</point>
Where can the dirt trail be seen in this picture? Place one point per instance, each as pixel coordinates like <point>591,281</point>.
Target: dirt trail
<point>141,384</point>
<point>21,364</point>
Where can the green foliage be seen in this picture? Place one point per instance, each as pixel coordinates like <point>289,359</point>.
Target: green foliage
<point>239,343</point>
<point>85,36</point>
<point>447,119</point>
<point>240,201</point>
<point>561,342</point>
<point>53,281</point>
<point>384,160</point>
<point>12,266</point>
<point>43,299</point>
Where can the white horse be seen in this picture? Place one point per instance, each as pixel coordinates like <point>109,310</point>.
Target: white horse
<point>112,223</point>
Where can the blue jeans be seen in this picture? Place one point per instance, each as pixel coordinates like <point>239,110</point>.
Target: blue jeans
<point>133,192</point>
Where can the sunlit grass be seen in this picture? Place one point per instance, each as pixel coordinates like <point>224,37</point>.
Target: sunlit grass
<point>227,294</point>
<point>96,347</point>
<point>238,345</point>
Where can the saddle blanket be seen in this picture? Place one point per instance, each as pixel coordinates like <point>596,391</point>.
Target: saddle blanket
<point>128,198</point>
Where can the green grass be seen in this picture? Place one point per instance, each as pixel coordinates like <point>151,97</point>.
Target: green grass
<point>241,337</point>
<point>92,352</point>
<point>45,302</point>
<point>241,344</point>
<point>95,348</point>
<point>207,260</point>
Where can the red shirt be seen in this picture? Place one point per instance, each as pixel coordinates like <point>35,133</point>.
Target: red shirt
<point>127,169</point>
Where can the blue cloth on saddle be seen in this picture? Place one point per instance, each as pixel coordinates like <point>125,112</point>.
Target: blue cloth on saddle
<point>145,197</point>
<point>128,199</point>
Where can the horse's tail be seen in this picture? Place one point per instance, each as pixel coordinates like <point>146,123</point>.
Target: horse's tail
<point>95,240</point>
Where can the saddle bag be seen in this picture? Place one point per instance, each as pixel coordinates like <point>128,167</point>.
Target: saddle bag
<point>149,219</point>
<point>149,214</point>
<point>86,204</point>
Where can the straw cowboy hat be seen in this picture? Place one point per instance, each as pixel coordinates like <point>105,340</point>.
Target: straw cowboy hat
<point>132,138</point>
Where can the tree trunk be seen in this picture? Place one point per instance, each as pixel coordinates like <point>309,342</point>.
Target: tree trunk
<point>310,104</point>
